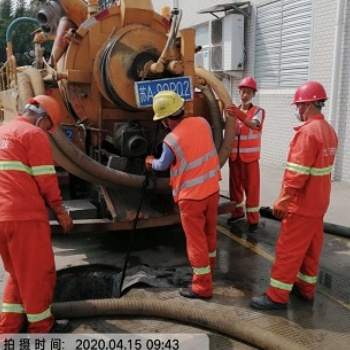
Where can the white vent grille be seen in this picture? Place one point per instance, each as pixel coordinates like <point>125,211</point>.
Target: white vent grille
<point>216,58</point>
<point>216,32</point>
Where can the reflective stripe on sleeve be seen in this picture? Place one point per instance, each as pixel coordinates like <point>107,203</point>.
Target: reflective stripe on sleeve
<point>15,166</point>
<point>304,170</point>
<point>34,171</point>
<point>43,170</point>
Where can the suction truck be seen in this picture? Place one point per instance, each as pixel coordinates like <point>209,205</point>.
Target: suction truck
<point>105,65</point>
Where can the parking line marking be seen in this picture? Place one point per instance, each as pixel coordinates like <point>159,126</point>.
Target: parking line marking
<point>248,245</point>
<point>269,257</point>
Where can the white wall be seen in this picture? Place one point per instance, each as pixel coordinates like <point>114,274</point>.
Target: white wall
<point>279,122</point>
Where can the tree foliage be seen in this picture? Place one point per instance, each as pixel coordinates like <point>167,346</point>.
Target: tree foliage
<point>22,36</point>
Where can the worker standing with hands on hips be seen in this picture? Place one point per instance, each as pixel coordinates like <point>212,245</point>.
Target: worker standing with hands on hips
<point>244,166</point>
<point>28,183</point>
<point>302,203</point>
<point>190,153</point>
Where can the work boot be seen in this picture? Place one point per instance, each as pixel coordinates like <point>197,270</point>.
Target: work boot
<point>265,303</point>
<point>61,326</point>
<point>237,231</point>
<point>232,220</point>
<point>189,293</point>
<point>252,233</point>
<point>297,292</point>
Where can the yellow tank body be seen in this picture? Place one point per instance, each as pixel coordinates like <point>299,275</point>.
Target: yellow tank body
<point>104,67</point>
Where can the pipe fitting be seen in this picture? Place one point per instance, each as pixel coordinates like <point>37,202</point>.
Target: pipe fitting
<point>154,67</point>
<point>51,13</point>
<point>175,67</point>
<point>50,16</point>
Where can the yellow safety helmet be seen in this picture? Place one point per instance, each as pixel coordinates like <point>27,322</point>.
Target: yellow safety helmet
<point>166,103</point>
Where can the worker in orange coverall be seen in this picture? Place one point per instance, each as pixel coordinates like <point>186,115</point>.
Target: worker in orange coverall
<point>302,203</point>
<point>244,166</point>
<point>28,183</point>
<point>190,153</point>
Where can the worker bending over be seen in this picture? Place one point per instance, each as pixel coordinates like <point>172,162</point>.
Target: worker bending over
<point>190,153</point>
<point>28,183</point>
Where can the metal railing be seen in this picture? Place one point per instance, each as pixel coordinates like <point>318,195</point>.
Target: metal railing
<point>8,74</point>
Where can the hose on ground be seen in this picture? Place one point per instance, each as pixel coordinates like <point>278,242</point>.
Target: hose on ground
<point>332,229</point>
<point>231,326</point>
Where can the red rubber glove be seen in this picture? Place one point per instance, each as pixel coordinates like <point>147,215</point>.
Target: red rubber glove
<point>280,208</point>
<point>63,218</point>
<point>148,162</point>
<point>236,112</point>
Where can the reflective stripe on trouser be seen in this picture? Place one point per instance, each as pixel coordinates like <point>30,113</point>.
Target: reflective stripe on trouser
<point>199,220</point>
<point>245,180</point>
<point>26,250</point>
<point>12,317</point>
<point>298,252</point>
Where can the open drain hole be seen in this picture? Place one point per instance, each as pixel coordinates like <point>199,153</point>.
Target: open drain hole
<point>99,281</point>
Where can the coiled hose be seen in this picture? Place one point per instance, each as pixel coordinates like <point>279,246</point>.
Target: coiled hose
<point>230,326</point>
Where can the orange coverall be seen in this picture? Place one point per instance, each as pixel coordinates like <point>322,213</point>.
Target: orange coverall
<point>245,169</point>
<point>28,183</point>
<point>194,178</point>
<point>308,177</point>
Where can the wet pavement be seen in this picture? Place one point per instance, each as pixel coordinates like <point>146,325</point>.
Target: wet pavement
<point>242,271</point>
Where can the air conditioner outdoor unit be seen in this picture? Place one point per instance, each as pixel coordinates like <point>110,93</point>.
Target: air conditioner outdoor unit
<point>202,58</point>
<point>227,39</point>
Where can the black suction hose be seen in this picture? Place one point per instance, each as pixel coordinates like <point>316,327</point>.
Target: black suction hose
<point>332,229</point>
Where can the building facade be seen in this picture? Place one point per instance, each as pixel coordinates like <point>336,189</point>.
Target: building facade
<point>285,43</point>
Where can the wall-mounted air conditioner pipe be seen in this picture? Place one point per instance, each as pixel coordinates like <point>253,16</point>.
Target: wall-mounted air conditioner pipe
<point>339,30</point>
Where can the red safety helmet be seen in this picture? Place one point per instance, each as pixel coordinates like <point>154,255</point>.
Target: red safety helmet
<point>309,92</point>
<point>248,82</point>
<point>51,107</point>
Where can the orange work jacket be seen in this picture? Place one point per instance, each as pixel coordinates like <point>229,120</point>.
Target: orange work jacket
<point>247,143</point>
<point>309,165</point>
<point>28,180</point>
<point>195,174</point>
